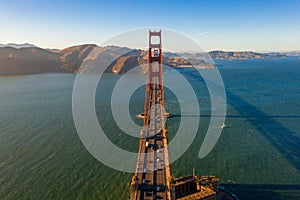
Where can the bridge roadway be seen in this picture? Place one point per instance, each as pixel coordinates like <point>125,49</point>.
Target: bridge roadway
<point>153,169</point>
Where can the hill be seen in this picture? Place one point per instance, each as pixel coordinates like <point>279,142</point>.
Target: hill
<point>17,46</point>
<point>30,60</point>
<point>27,61</point>
<point>242,55</point>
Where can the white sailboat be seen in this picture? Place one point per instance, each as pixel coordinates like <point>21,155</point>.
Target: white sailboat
<point>225,126</point>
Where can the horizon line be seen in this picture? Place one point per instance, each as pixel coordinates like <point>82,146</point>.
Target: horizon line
<point>216,49</point>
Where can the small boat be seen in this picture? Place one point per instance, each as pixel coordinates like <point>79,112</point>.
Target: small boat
<point>225,126</point>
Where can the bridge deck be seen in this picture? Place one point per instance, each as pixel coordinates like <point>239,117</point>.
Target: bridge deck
<point>152,169</point>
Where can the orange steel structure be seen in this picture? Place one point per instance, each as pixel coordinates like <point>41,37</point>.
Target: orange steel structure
<point>152,179</point>
<point>152,176</point>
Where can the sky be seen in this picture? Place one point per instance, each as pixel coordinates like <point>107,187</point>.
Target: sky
<point>256,25</point>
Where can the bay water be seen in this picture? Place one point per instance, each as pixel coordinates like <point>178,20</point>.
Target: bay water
<point>257,157</point>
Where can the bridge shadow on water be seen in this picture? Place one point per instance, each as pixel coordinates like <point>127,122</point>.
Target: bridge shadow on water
<point>238,116</point>
<point>264,191</point>
<point>284,140</point>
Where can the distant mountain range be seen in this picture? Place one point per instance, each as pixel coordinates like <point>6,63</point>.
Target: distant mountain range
<point>291,53</point>
<point>242,55</point>
<point>29,59</point>
<point>17,46</point>
<point>32,60</point>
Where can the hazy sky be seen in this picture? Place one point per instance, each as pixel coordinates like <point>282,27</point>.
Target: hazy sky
<point>258,25</point>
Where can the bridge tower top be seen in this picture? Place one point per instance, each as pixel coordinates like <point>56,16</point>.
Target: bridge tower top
<point>154,70</point>
<point>155,39</point>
